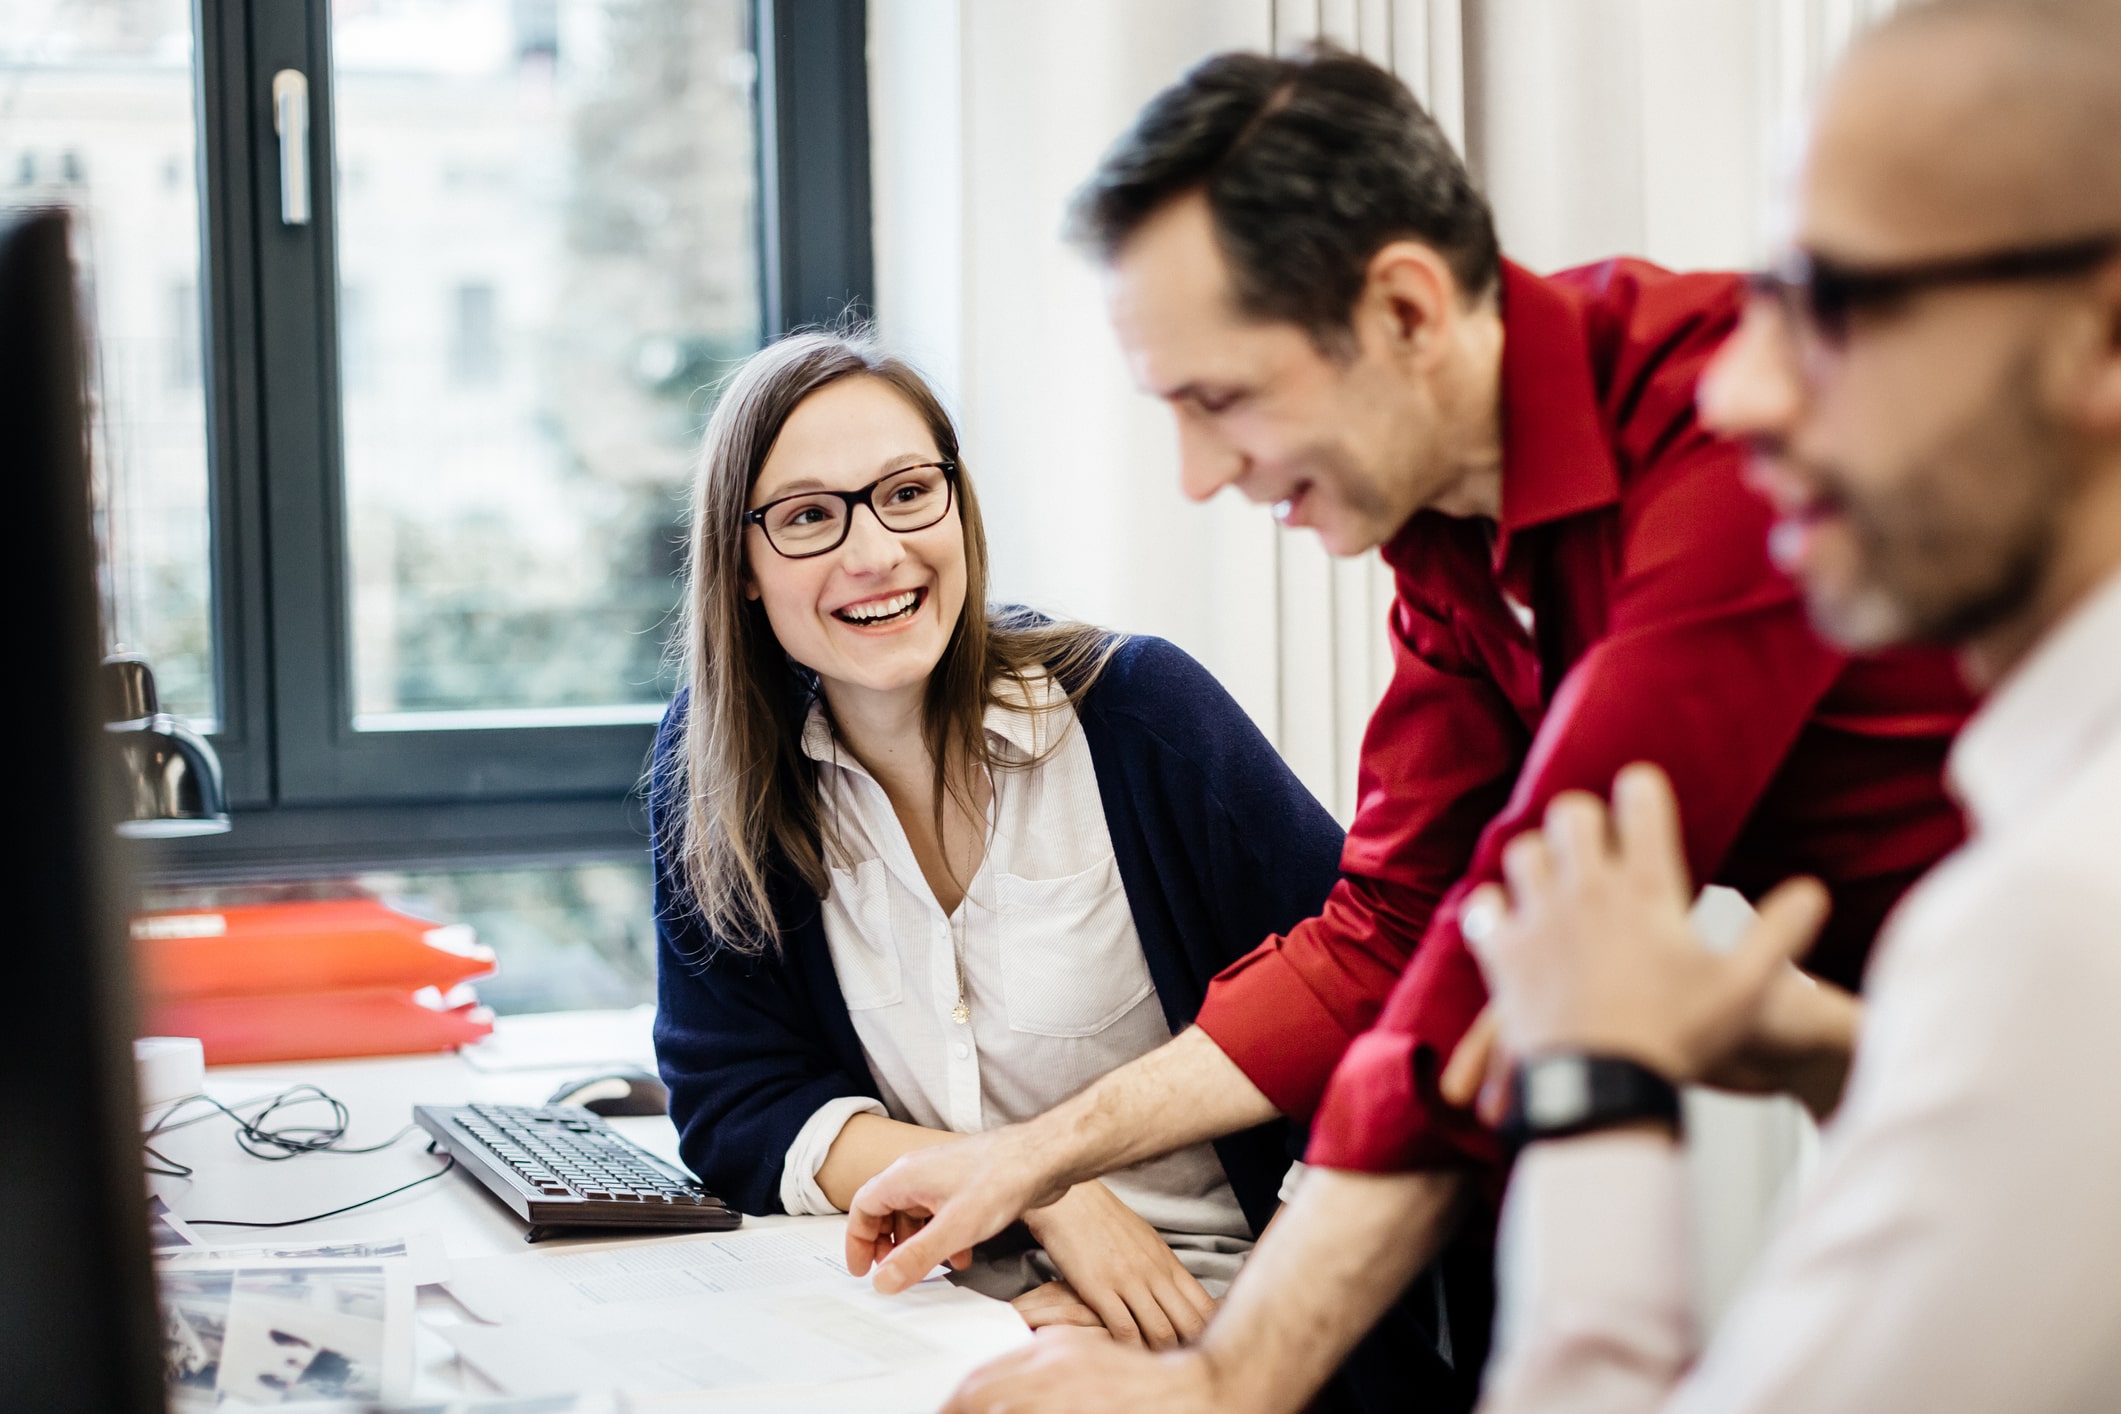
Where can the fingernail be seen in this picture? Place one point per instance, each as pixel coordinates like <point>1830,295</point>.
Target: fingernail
<point>1477,921</point>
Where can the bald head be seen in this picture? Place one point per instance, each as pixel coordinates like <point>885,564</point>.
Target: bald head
<point>1971,124</point>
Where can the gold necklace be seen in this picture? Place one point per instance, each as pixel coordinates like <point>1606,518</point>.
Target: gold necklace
<point>962,1012</point>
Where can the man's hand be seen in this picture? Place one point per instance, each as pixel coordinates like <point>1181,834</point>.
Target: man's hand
<point>1801,1044</point>
<point>1078,1372</point>
<point>1118,1266</point>
<point>1324,1270</point>
<point>1591,949</point>
<point>932,1205</point>
<point>966,1191</point>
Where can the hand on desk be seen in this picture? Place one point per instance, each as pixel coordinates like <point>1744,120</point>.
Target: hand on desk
<point>934,1204</point>
<point>1081,1372</point>
<point>1056,1304</point>
<point>1591,950</point>
<point>1115,1264</point>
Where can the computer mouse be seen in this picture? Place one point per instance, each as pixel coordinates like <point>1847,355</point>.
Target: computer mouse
<point>615,1092</point>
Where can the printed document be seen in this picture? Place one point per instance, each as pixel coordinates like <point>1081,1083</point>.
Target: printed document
<point>767,1317</point>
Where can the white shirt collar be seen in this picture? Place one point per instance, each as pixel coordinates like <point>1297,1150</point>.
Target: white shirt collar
<point>2048,715</point>
<point>1025,724</point>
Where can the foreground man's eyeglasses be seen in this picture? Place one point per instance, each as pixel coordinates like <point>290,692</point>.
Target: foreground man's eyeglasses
<point>1820,294</point>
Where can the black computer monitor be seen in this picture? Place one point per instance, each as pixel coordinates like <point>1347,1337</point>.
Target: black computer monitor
<point>78,1323</point>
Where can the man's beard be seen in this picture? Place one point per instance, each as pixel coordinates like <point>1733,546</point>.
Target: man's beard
<point>1961,546</point>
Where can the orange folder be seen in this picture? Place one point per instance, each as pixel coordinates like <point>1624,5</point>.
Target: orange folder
<point>308,980</point>
<point>274,948</point>
<point>318,1025</point>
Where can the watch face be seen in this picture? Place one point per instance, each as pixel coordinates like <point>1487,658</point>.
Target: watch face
<point>1557,1091</point>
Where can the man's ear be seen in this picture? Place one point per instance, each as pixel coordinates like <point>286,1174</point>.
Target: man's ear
<point>1409,301</point>
<point>2098,390</point>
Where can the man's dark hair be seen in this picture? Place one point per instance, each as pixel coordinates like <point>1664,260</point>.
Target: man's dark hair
<point>1311,165</point>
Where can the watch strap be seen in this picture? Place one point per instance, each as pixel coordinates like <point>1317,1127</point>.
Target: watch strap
<point>1564,1093</point>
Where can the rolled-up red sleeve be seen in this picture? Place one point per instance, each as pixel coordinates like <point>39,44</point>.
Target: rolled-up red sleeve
<point>1708,668</point>
<point>1438,760</point>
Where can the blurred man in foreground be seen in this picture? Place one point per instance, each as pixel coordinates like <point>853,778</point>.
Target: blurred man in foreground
<point>1932,384</point>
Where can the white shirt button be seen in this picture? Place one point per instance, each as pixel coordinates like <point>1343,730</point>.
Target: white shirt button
<point>962,1050</point>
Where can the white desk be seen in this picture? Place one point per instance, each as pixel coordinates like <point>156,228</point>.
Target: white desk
<point>380,1094</point>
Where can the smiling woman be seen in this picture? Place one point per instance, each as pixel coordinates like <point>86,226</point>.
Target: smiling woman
<point>818,420</point>
<point>926,867</point>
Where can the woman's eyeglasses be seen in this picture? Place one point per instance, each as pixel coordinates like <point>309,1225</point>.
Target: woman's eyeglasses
<point>1820,295</point>
<point>816,522</point>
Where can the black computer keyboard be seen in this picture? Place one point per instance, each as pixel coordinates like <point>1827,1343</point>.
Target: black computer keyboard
<point>561,1167</point>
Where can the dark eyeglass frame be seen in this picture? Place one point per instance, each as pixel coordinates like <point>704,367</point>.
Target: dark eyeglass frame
<point>855,501</point>
<point>1821,294</point>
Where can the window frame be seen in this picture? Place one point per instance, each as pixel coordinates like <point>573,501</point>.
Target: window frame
<point>310,794</point>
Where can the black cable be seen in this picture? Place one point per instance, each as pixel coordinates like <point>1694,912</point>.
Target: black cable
<point>289,1140</point>
<point>273,1144</point>
<point>449,1161</point>
<point>170,1167</point>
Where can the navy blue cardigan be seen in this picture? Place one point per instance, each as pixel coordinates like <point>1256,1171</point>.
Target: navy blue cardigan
<point>1218,846</point>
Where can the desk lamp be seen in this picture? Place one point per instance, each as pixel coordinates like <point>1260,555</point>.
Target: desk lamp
<point>170,784</point>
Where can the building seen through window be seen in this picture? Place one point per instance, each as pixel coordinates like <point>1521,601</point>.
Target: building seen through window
<point>546,237</point>
<point>96,115</point>
<point>549,254</point>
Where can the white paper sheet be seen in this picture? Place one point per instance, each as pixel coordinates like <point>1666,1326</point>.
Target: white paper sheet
<point>476,1404</point>
<point>571,1040</point>
<point>535,1285</point>
<point>800,1348</point>
<point>424,1253</point>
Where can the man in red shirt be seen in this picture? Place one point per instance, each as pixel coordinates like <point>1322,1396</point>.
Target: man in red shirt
<point>1300,267</point>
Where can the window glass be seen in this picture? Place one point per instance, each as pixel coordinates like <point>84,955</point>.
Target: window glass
<point>96,104</point>
<point>566,936</point>
<point>548,253</point>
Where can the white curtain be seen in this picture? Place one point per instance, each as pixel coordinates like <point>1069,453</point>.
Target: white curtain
<point>986,114</point>
<point>1335,656</point>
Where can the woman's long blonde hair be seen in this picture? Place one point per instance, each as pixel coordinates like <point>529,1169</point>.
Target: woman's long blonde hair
<point>745,800</point>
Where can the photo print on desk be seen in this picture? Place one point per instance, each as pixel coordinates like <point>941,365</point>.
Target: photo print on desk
<point>166,1232</point>
<point>425,1256</point>
<point>285,1333</point>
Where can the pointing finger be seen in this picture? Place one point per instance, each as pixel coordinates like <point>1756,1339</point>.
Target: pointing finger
<point>933,1246</point>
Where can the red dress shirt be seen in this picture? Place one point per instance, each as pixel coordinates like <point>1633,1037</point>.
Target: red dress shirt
<point>1660,632</point>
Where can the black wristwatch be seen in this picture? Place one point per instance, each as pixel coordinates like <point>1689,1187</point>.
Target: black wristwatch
<point>1561,1093</point>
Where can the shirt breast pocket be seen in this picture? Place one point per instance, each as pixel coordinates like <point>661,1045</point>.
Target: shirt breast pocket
<point>858,928</point>
<point>1071,963</point>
